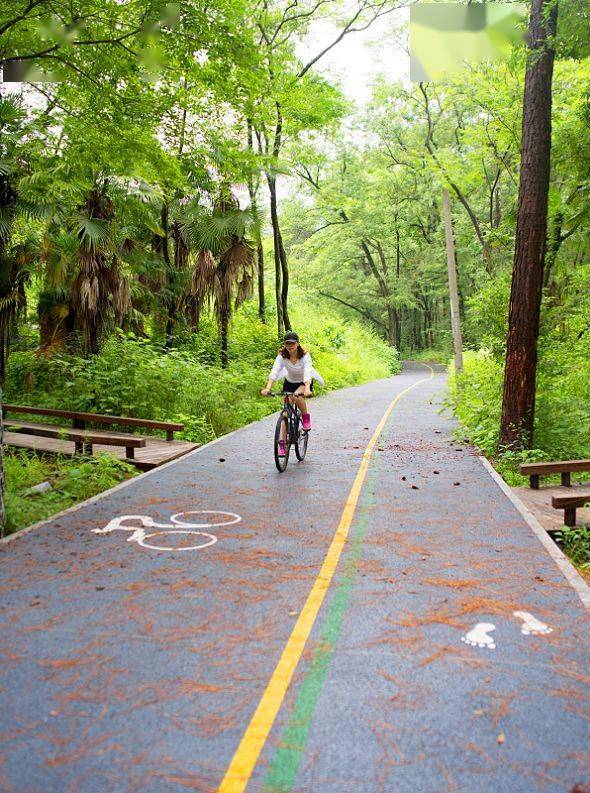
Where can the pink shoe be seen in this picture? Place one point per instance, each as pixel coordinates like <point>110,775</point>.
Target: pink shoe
<point>282,450</point>
<point>306,421</point>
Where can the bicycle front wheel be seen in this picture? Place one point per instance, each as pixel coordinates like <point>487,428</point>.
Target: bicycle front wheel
<point>281,462</point>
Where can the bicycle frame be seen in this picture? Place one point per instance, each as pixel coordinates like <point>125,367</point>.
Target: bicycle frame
<point>293,415</point>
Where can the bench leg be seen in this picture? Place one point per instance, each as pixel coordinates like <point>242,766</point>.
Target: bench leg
<point>569,517</point>
<point>535,481</point>
<point>130,452</point>
<point>566,480</point>
<point>78,448</point>
<point>88,449</point>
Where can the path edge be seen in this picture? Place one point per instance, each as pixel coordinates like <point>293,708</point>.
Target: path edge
<point>93,499</point>
<point>567,568</point>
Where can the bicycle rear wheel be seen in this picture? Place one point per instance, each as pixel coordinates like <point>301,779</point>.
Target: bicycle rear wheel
<point>281,462</point>
<point>301,438</point>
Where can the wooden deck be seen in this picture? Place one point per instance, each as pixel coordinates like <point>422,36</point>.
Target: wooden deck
<point>539,503</point>
<point>156,451</point>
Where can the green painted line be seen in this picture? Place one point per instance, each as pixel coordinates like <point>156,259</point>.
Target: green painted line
<point>287,759</point>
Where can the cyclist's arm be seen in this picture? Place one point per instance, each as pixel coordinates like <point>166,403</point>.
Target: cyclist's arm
<point>274,372</point>
<point>307,371</point>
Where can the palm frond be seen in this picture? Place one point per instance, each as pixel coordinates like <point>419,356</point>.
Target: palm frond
<point>91,232</point>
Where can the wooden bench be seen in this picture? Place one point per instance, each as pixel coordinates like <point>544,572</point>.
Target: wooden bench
<point>563,467</point>
<point>83,439</point>
<point>569,504</point>
<point>80,419</point>
<point>151,450</point>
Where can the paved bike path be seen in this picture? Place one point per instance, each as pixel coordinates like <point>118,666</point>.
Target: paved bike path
<point>132,669</point>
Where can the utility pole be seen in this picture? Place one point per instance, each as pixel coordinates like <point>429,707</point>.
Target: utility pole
<point>455,323</point>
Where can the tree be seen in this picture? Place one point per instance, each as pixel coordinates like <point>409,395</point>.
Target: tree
<point>223,258</point>
<point>518,404</point>
<point>294,99</point>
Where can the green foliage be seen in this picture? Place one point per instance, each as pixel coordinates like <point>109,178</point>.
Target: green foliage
<point>72,480</point>
<point>575,542</point>
<point>562,414</point>
<point>137,377</point>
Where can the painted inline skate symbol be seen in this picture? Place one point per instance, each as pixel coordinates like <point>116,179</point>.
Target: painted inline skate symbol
<point>479,636</point>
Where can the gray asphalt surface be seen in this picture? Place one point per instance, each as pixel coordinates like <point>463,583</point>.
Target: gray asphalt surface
<point>131,669</point>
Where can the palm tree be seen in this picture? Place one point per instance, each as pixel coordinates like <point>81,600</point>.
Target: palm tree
<point>98,277</point>
<point>224,259</point>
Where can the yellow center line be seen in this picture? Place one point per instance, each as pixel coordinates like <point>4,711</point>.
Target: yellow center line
<point>244,760</point>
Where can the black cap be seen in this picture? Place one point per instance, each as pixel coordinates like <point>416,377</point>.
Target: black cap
<point>290,335</point>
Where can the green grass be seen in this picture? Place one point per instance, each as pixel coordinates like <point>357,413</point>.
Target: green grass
<point>575,542</point>
<point>72,480</point>
<point>430,356</point>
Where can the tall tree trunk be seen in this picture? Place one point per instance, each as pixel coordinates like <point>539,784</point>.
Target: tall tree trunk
<point>260,268</point>
<point>277,244</point>
<point>518,407</point>
<point>391,326</point>
<point>285,284</point>
<point>170,299</point>
<point>259,250</point>
<point>280,255</point>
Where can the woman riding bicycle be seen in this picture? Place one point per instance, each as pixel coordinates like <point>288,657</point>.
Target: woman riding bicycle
<point>295,365</point>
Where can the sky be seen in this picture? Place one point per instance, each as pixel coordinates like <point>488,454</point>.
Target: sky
<point>355,62</point>
<point>359,57</point>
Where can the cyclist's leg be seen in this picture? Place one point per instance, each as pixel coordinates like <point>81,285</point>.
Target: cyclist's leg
<point>302,405</point>
<point>289,387</point>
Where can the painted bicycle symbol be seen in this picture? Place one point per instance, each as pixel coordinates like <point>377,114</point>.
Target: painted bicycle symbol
<point>176,527</point>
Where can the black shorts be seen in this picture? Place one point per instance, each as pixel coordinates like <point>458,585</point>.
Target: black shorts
<point>290,387</point>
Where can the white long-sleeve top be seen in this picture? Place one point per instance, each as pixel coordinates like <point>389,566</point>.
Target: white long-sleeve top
<point>299,372</point>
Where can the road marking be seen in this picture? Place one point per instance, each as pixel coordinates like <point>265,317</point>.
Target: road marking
<point>531,626</point>
<point>244,760</point>
<point>140,536</point>
<point>478,635</point>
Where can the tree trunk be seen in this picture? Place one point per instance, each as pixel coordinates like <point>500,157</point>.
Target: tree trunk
<point>277,245</point>
<point>391,326</point>
<point>285,284</point>
<point>170,299</point>
<point>518,405</point>
<point>252,190</point>
<point>261,300</point>
<point>452,274</point>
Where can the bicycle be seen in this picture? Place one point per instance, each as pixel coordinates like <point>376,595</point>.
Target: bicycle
<point>295,435</point>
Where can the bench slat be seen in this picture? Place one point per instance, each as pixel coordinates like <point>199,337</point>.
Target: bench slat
<point>68,434</point>
<point>558,467</point>
<point>579,500</point>
<point>569,504</point>
<point>96,417</point>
